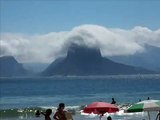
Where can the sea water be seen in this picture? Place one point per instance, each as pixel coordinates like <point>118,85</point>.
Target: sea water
<point>21,97</point>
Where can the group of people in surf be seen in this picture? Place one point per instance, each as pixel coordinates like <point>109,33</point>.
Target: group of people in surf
<point>60,114</point>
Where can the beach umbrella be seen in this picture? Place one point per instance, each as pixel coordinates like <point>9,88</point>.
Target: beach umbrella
<point>100,108</point>
<point>146,105</point>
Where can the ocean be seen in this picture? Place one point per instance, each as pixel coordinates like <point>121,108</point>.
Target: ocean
<point>21,97</point>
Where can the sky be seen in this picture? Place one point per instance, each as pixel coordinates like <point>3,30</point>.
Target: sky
<point>43,16</point>
<point>42,30</point>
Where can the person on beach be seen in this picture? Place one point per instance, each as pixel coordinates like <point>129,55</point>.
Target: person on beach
<point>109,118</point>
<point>113,101</point>
<point>37,114</point>
<point>60,113</point>
<point>47,114</point>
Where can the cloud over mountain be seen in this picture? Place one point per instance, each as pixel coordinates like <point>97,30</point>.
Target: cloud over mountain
<point>47,47</point>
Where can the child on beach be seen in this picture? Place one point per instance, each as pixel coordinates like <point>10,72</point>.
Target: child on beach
<point>37,114</point>
<point>47,114</point>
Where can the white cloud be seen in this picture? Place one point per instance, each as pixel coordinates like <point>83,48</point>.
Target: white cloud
<point>47,47</point>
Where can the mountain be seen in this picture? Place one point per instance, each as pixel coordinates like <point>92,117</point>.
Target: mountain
<point>9,67</point>
<point>81,60</point>
<point>149,59</point>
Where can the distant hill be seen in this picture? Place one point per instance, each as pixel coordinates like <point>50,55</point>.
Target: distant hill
<point>149,59</point>
<point>9,67</point>
<point>81,60</point>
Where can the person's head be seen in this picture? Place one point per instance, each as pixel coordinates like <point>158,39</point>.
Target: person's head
<point>109,118</point>
<point>48,112</point>
<point>113,99</point>
<point>38,111</point>
<point>61,106</point>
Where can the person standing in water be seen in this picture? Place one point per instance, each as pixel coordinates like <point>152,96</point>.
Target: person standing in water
<point>60,113</point>
<point>47,114</point>
<point>113,101</point>
<point>37,114</point>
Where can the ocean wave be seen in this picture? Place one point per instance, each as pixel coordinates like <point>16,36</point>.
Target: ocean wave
<point>30,111</point>
<point>19,112</point>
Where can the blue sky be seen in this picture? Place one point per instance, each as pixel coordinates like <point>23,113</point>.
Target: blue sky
<point>44,16</point>
<point>42,30</point>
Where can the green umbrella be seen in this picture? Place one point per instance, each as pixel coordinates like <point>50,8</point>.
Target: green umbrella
<point>146,105</point>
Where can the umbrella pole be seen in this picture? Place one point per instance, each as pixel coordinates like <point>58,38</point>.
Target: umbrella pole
<point>149,115</point>
<point>100,117</point>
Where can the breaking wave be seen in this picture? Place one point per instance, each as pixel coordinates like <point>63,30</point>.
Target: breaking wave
<point>30,111</point>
